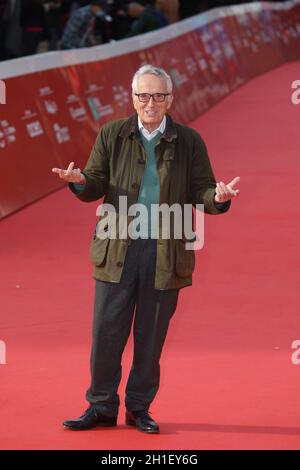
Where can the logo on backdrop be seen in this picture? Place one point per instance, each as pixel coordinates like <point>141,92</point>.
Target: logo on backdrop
<point>2,352</point>
<point>295,97</point>
<point>2,92</point>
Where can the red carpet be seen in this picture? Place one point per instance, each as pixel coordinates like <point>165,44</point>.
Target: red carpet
<point>227,377</point>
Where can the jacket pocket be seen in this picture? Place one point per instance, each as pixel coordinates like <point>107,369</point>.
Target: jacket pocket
<point>98,251</point>
<point>184,260</point>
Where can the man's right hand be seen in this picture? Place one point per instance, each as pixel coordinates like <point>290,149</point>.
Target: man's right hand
<point>70,175</point>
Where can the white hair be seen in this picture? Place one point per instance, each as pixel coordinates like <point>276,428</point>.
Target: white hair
<point>151,70</point>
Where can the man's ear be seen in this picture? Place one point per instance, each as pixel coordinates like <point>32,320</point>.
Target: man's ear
<point>133,102</point>
<point>170,101</point>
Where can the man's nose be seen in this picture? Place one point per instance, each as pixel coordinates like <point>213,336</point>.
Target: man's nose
<point>151,102</point>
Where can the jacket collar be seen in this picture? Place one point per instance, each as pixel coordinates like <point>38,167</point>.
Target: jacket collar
<point>131,127</point>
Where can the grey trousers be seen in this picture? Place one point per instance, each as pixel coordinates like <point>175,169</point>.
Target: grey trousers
<point>117,306</point>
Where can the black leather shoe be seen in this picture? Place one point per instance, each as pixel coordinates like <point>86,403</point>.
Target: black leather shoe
<point>90,419</point>
<point>142,421</point>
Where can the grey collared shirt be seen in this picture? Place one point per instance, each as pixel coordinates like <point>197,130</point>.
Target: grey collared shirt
<point>149,135</point>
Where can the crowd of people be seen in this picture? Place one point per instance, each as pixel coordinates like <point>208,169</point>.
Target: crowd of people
<point>68,24</point>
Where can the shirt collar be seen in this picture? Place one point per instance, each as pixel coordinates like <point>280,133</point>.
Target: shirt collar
<point>149,135</point>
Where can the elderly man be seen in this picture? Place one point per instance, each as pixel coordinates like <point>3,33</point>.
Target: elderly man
<point>150,160</point>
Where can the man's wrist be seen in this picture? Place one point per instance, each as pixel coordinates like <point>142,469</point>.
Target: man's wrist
<point>82,180</point>
<point>222,206</point>
<point>218,202</point>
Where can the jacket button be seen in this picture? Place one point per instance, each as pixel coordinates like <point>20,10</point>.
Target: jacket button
<point>134,185</point>
<point>119,264</point>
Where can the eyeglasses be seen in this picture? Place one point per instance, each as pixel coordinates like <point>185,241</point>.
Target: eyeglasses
<point>157,97</point>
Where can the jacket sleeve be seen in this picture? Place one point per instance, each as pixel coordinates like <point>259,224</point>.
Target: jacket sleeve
<point>203,182</point>
<point>96,172</point>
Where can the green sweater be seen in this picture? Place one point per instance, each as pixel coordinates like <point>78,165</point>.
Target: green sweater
<point>150,187</point>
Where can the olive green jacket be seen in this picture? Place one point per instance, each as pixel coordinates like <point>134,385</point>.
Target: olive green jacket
<point>115,168</point>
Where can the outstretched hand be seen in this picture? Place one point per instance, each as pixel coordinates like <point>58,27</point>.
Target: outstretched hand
<point>225,192</point>
<point>70,175</point>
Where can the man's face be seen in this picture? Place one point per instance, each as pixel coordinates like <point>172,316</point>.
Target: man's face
<point>151,114</point>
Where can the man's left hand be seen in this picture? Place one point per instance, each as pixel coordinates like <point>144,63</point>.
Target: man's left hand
<point>225,192</point>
